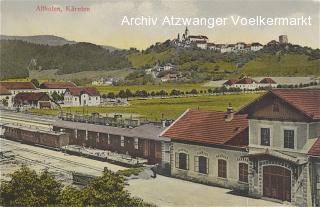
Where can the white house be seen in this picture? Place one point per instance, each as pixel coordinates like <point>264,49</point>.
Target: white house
<point>256,46</point>
<point>246,84</point>
<point>81,96</point>
<point>58,87</point>
<point>240,46</point>
<point>201,44</point>
<point>268,82</point>
<point>18,87</point>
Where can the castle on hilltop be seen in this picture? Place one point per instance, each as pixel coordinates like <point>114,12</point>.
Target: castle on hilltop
<point>202,42</point>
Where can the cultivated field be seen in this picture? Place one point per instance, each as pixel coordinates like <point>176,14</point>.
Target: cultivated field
<point>155,109</point>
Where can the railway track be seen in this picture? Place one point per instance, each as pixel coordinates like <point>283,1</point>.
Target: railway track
<point>53,157</point>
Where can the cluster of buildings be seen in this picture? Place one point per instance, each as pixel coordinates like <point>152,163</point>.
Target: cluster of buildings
<point>202,42</point>
<point>269,149</point>
<point>26,95</point>
<point>247,83</point>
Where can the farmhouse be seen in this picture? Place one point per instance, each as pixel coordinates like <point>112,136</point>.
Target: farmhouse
<point>57,87</point>
<point>284,132</point>
<point>210,147</point>
<point>81,96</point>
<point>32,100</point>
<point>18,87</point>
<point>247,83</point>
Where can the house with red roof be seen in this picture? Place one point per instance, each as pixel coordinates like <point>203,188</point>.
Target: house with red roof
<point>210,147</point>
<point>57,87</point>
<point>18,87</point>
<point>32,100</point>
<point>81,96</point>
<point>270,148</point>
<point>284,146</point>
<point>247,83</point>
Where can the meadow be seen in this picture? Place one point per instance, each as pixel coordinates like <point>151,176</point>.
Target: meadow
<point>170,108</point>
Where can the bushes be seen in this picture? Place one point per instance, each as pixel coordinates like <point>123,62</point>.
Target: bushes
<point>27,188</point>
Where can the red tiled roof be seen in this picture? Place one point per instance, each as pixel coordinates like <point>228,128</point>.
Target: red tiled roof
<point>76,91</point>
<point>231,82</point>
<point>209,127</point>
<point>4,90</point>
<point>57,85</point>
<point>268,80</point>
<point>44,104</point>
<point>17,85</point>
<point>246,81</point>
<point>305,100</point>
<point>315,149</point>
<point>31,96</point>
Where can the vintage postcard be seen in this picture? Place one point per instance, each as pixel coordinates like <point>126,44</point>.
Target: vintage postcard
<point>157,103</point>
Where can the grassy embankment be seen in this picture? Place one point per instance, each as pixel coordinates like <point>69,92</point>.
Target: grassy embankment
<point>153,109</point>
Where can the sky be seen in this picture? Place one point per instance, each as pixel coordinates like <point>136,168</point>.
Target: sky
<point>102,23</point>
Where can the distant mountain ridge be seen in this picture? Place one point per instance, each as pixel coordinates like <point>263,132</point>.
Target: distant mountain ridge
<point>51,40</point>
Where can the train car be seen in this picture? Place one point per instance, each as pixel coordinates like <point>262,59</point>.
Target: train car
<point>51,139</point>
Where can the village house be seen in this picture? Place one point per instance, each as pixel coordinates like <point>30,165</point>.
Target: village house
<point>25,100</point>
<point>57,87</point>
<point>247,83</point>
<point>82,96</point>
<point>18,87</point>
<point>6,98</point>
<point>256,46</point>
<point>210,147</point>
<point>268,82</point>
<point>284,146</point>
<point>103,82</point>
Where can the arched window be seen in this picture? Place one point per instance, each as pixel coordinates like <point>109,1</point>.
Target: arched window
<point>182,161</point>
<point>222,168</point>
<point>243,172</point>
<point>201,164</point>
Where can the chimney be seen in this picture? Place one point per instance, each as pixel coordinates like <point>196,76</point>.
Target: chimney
<point>229,115</point>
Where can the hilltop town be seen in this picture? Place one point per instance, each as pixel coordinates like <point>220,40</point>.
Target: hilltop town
<point>202,41</point>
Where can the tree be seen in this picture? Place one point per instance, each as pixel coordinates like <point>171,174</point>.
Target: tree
<point>122,94</point>
<point>111,95</point>
<point>35,83</point>
<point>56,97</point>
<point>27,188</point>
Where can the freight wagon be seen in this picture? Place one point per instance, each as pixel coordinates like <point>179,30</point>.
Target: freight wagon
<point>51,139</point>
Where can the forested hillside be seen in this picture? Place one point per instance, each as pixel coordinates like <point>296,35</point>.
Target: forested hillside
<point>17,57</point>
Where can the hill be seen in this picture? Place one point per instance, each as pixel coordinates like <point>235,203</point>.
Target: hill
<point>17,57</point>
<point>279,60</point>
<point>51,40</point>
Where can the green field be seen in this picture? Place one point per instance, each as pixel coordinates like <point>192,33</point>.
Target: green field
<point>284,65</point>
<point>155,109</point>
<point>149,88</point>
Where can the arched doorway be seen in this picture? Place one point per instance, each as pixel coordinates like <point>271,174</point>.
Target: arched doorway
<point>277,183</point>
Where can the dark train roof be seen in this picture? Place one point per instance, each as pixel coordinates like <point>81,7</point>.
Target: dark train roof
<point>145,131</point>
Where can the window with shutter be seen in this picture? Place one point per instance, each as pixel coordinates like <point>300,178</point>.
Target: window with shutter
<point>222,168</point>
